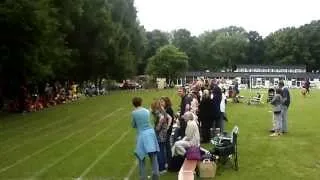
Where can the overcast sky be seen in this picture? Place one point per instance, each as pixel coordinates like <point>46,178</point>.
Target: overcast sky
<point>197,16</point>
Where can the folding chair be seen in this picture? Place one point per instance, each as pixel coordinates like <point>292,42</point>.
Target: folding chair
<point>226,147</point>
<point>256,100</point>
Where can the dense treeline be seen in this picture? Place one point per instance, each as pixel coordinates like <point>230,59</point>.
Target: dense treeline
<point>46,40</point>
<point>225,48</point>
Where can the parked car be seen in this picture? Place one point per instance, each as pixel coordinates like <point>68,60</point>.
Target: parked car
<point>130,85</point>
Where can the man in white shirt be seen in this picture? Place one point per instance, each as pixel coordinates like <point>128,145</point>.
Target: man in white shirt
<point>223,109</point>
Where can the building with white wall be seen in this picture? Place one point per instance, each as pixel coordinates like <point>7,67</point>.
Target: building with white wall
<point>260,76</point>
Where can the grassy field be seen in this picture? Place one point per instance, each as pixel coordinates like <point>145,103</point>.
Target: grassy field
<point>92,139</point>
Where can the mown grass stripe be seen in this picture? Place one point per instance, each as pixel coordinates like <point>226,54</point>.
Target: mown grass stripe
<point>43,170</point>
<point>32,132</point>
<point>25,142</point>
<point>132,169</point>
<point>23,120</point>
<point>37,130</point>
<point>51,145</point>
<point>92,165</point>
<point>19,122</point>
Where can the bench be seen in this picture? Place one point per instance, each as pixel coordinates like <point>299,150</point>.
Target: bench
<point>187,170</point>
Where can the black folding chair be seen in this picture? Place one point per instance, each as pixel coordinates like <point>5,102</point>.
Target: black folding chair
<point>226,147</point>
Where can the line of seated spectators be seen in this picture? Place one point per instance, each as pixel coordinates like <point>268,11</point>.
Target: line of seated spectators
<point>32,100</point>
<point>91,89</point>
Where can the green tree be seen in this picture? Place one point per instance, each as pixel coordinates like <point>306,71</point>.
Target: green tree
<point>287,46</point>
<point>255,53</point>
<point>183,40</point>
<point>311,43</point>
<point>30,43</point>
<point>223,48</point>
<point>70,39</point>
<point>230,50</point>
<point>206,51</point>
<point>168,62</point>
<point>128,45</point>
<point>154,40</point>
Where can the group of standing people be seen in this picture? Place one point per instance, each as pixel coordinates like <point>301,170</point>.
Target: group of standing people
<point>153,136</point>
<point>281,102</point>
<point>169,135</point>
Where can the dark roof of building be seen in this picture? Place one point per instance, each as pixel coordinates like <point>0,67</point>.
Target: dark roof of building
<point>271,66</point>
<point>247,75</point>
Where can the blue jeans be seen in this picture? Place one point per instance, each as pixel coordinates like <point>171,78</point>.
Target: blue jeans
<point>162,156</point>
<point>168,151</point>
<point>155,167</point>
<point>221,122</point>
<point>284,115</point>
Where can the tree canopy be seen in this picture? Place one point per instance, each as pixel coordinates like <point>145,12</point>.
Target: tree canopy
<point>46,40</point>
<point>168,62</point>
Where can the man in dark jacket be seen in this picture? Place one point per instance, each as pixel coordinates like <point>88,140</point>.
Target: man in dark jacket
<point>184,107</point>
<point>307,86</point>
<point>206,116</point>
<point>216,101</point>
<point>285,105</point>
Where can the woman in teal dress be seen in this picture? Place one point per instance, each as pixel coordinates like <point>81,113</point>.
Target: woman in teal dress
<point>146,141</point>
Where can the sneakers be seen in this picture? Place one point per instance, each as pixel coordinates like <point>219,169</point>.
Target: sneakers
<point>275,134</point>
<point>163,172</point>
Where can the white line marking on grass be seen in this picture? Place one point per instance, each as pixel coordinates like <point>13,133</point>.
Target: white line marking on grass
<point>40,172</point>
<point>21,128</point>
<point>89,168</point>
<point>51,145</point>
<point>39,137</point>
<point>131,170</point>
<point>37,130</point>
<point>39,151</point>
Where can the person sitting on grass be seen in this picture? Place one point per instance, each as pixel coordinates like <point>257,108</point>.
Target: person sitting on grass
<point>38,103</point>
<point>192,136</point>
<point>146,141</point>
<point>277,107</point>
<point>29,106</point>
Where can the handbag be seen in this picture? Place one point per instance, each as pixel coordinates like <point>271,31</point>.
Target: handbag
<point>207,169</point>
<point>277,109</point>
<point>193,153</point>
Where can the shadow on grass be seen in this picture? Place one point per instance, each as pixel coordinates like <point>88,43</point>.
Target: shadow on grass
<point>4,115</point>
